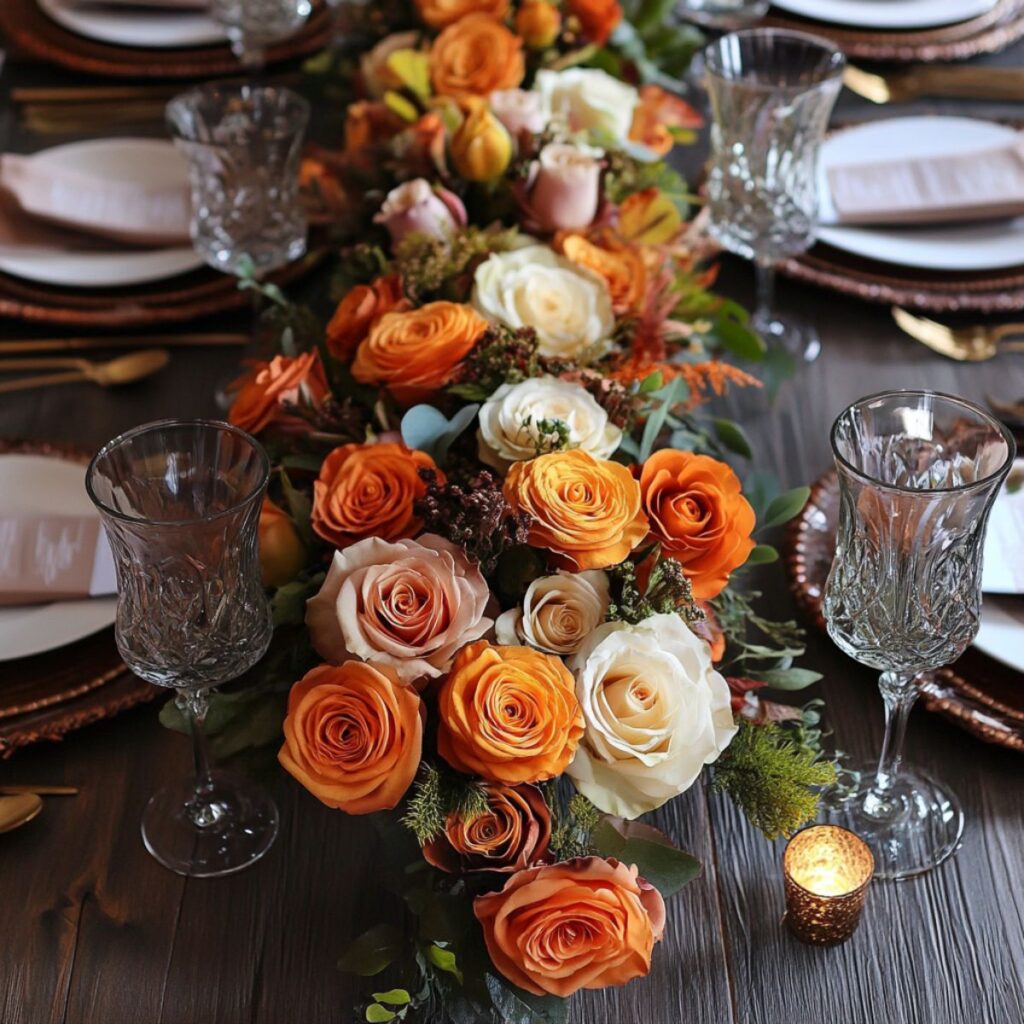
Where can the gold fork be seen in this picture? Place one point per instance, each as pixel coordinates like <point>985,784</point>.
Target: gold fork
<point>964,81</point>
<point>965,344</point>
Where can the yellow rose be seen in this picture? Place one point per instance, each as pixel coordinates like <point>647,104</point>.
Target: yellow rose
<point>481,148</point>
<point>538,22</point>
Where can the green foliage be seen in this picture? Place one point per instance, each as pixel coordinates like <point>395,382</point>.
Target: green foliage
<point>437,794</point>
<point>668,592</point>
<point>373,951</point>
<point>288,605</point>
<point>660,49</point>
<point>428,429</point>
<point>625,175</point>
<point>571,826</point>
<point>667,868</point>
<point>772,778</point>
<point>502,356</point>
<point>550,435</point>
<point>662,401</point>
<point>731,435</point>
<point>359,264</point>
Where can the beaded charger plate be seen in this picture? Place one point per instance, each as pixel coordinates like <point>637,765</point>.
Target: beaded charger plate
<point>978,693</point>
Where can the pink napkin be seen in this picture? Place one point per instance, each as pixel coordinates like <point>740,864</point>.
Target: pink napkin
<point>980,185</point>
<point>54,558</point>
<point>127,211</point>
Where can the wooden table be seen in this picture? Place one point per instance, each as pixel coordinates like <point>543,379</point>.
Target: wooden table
<point>94,931</point>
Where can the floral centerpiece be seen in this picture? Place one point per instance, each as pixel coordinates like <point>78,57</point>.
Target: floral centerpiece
<point>504,536</point>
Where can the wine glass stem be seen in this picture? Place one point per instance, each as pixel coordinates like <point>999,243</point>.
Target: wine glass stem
<point>765,276</point>
<point>200,808</point>
<point>899,691</point>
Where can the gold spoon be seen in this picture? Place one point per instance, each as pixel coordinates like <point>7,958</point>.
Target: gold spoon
<point>122,370</point>
<point>16,811</point>
<point>965,344</point>
<point>42,790</point>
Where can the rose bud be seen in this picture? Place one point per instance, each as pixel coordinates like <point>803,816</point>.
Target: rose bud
<point>282,554</point>
<point>481,148</point>
<point>414,208</point>
<point>519,110</point>
<point>538,22</point>
<point>566,186</point>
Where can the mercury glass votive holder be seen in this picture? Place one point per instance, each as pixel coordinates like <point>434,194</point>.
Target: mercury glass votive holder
<point>827,871</point>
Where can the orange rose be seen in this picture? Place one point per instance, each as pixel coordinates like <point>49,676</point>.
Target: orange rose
<point>359,310</point>
<point>538,22</point>
<point>353,736</point>
<point>584,923</point>
<point>369,123</point>
<point>699,515</point>
<point>597,18</point>
<point>282,554</point>
<point>710,629</point>
<point>508,714</point>
<point>586,510</point>
<point>475,57</point>
<point>263,393</point>
<point>511,834</point>
<point>656,113</point>
<point>441,13</point>
<point>612,258</point>
<point>368,490</point>
<point>413,354</point>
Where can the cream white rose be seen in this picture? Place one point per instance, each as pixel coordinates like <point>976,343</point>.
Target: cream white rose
<point>509,421</point>
<point>559,612</point>
<point>518,110</point>
<point>656,712</point>
<point>587,100</point>
<point>568,306</point>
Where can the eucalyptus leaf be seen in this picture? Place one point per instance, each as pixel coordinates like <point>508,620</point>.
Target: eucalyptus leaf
<point>372,951</point>
<point>735,335</point>
<point>300,508</point>
<point>783,507</point>
<point>733,437</point>
<point>515,1006</point>
<point>429,430</point>
<point>665,867</point>
<point>444,960</point>
<point>789,678</point>
<point>763,554</point>
<point>393,997</point>
<point>377,1014</point>
<point>675,391</point>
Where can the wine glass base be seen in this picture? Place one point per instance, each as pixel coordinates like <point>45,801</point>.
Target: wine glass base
<point>241,824</point>
<point>796,337</point>
<point>922,827</point>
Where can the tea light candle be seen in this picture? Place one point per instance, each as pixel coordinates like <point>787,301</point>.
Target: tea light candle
<point>827,870</point>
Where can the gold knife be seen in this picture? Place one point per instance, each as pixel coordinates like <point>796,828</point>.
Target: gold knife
<point>962,81</point>
<point>121,341</point>
<point>40,790</point>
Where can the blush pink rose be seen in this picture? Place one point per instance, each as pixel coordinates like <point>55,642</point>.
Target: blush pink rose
<point>409,604</point>
<point>565,191</point>
<point>416,208</point>
<point>518,110</point>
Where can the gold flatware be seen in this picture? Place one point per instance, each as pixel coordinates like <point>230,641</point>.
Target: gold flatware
<point>83,117</point>
<point>16,811</point>
<point>122,370</point>
<point>75,94</point>
<point>1012,413</point>
<point>20,788</point>
<point>965,344</point>
<point>962,81</point>
<point>193,340</point>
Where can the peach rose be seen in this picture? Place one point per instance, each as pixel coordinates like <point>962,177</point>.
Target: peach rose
<point>586,510</point>
<point>415,208</point>
<point>441,13</point>
<point>414,354</point>
<point>508,714</point>
<point>612,258</point>
<point>511,834</point>
<point>656,113</point>
<point>565,187</point>
<point>584,923</point>
<point>475,56</point>
<point>368,490</point>
<point>597,18</point>
<point>359,310</point>
<point>263,393</point>
<point>698,515</point>
<point>282,554</point>
<point>410,604</point>
<point>353,736</point>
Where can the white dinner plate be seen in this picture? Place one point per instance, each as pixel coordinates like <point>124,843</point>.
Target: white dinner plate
<point>989,245</point>
<point>151,28</point>
<point>1001,635</point>
<point>98,269</point>
<point>887,14</point>
<point>50,486</point>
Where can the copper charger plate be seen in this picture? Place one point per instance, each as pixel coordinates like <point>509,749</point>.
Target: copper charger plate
<point>202,292</point>
<point>997,291</point>
<point>978,693</point>
<point>50,694</point>
<point>990,32</point>
<point>29,30</point>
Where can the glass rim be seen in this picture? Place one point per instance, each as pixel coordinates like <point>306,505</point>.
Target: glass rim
<point>835,70</point>
<point>227,88</point>
<point>165,424</point>
<point>998,428</point>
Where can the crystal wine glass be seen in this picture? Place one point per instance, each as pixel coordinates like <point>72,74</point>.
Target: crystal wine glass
<point>180,502</point>
<point>242,144</point>
<point>253,25</point>
<point>918,473</point>
<point>724,15</point>
<point>771,95</point>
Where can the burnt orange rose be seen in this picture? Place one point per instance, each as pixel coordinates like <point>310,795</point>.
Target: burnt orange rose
<point>441,13</point>
<point>657,112</point>
<point>511,834</point>
<point>262,395</point>
<point>475,57</point>
<point>414,353</point>
<point>698,514</point>
<point>353,736</point>
<point>369,123</point>
<point>611,257</point>
<point>538,22</point>
<point>597,18</point>
<point>584,923</point>
<point>710,629</point>
<point>282,554</point>
<point>508,714</point>
<point>359,310</point>
<point>586,510</point>
<point>368,490</point>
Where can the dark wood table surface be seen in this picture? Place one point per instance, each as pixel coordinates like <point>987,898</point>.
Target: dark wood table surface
<point>94,931</point>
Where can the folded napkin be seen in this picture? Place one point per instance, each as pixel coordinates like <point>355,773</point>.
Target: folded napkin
<point>125,210</point>
<point>983,184</point>
<point>1003,564</point>
<point>54,558</point>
